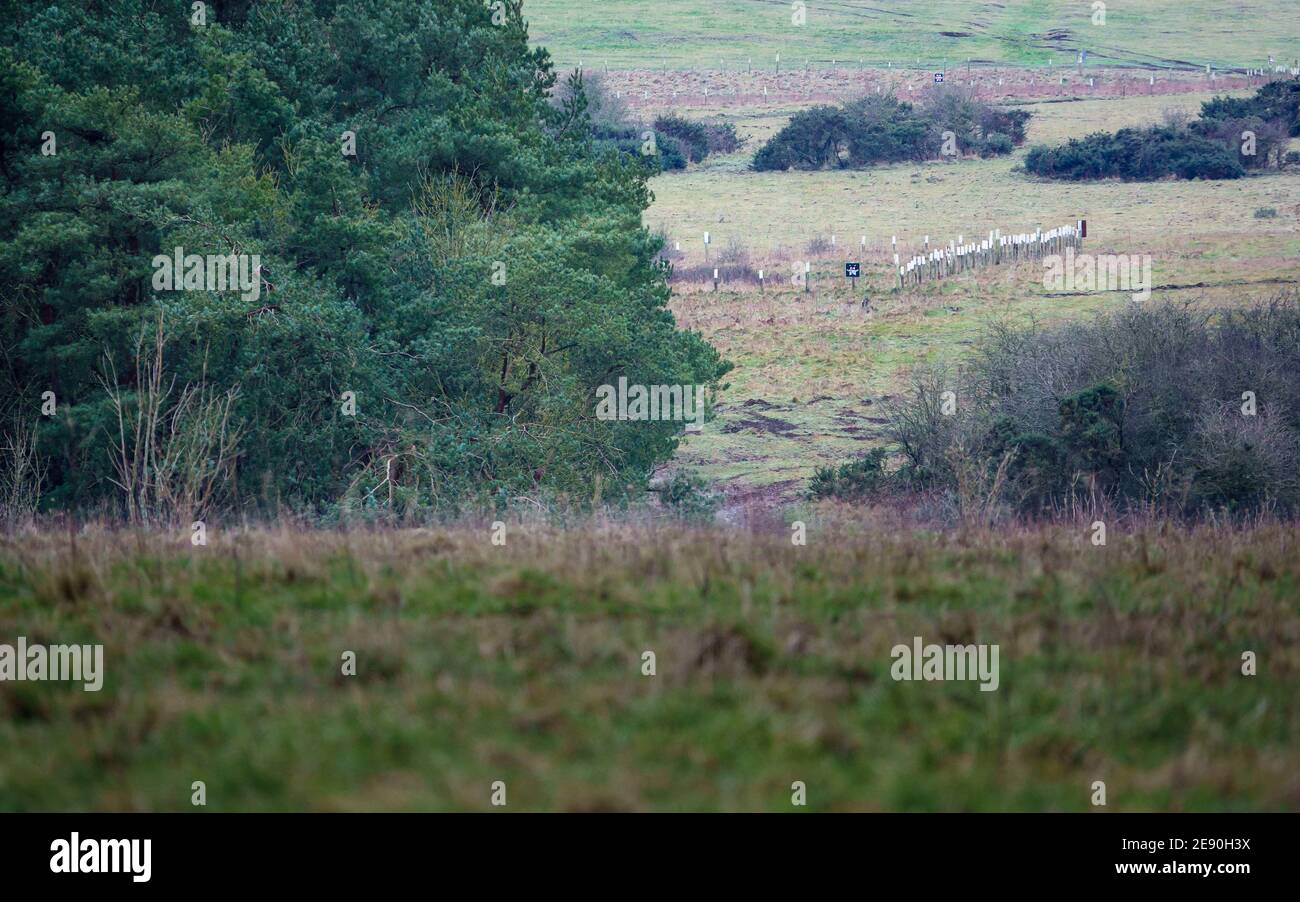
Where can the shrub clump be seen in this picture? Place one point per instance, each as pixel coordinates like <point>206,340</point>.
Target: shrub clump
<point>613,130</point>
<point>689,497</point>
<point>852,481</point>
<point>1168,408</point>
<point>1232,136</point>
<point>696,139</point>
<point>1135,154</point>
<point>722,137</point>
<point>692,137</point>
<point>886,130</point>
<point>1276,101</point>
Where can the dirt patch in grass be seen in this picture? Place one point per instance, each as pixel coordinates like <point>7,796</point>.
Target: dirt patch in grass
<point>759,423</point>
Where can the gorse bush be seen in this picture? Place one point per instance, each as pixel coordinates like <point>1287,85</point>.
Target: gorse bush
<point>996,145</point>
<point>692,137</point>
<point>850,481</point>
<point>1231,136</point>
<point>883,129</point>
<point>722,137</point>
<point>1135,154</point>
<point>631,141</point>
<point>689,497</point>
<point>1253,142</point>
<point>1167,406</point>
<point>434,311</point>
<point>1277,101</point>
<point>612,127</point>
<point>668,145</point>
<point>697,139</point>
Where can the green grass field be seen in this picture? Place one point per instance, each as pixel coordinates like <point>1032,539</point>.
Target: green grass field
<point>523,663</point>
<point>726,33</point>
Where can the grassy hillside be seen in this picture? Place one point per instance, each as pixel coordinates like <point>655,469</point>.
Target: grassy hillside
<point>522,663</point>
<point>725,33</point>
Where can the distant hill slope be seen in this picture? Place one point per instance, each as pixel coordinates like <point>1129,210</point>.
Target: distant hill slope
<point>681,33</point>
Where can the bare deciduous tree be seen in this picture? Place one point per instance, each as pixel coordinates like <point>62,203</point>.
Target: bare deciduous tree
<point>171,457</point>
<point>22,472</point>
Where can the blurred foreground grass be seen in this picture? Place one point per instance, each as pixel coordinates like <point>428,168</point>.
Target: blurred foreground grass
<point>522,663</point>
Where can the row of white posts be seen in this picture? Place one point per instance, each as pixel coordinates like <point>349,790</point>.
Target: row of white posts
<point>957,256</point>
<point>1123,82</point>
<point>1293,69</point>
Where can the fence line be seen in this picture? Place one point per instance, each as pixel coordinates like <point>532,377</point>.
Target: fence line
<point>954,258</point>
<point>696,89</point>
<point>957,257</point>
